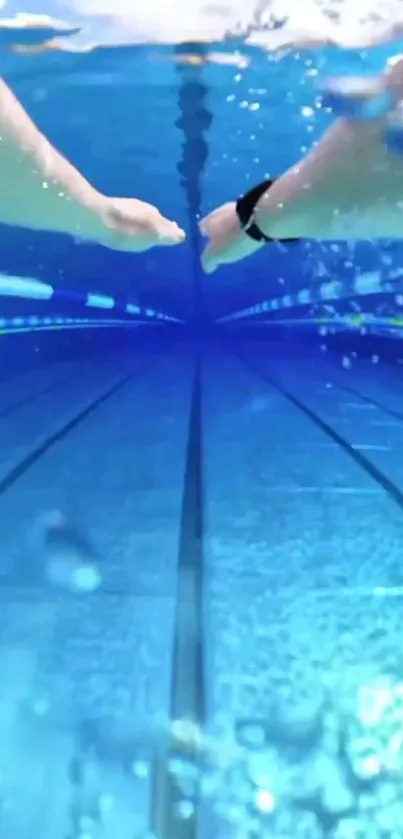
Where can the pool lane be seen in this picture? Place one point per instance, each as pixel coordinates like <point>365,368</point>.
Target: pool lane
<point>283,499</point>
<point>302,561</point>
<point>103,660</point>
<point>301,549</point>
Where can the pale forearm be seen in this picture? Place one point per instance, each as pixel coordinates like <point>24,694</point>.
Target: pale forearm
<point>348,185</point>
<point>39,188</point>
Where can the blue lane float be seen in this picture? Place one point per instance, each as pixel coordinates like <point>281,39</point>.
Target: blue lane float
<point>25,287</point>
<point>132,309</point>
<point>29,288</point>
<point>367,283</point>
<point>99,301</point>
<point>34,323</point>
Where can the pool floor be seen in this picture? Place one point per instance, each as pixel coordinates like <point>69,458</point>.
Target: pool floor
<point>302,528</point>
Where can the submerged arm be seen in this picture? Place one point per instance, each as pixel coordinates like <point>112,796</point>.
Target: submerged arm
<point>39,188</point>
<point>350,183</point>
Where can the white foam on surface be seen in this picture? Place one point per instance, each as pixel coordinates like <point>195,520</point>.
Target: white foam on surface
<point>311,23</point>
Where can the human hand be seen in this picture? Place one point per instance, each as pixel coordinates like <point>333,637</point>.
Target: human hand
<point>133,225</point>
<point>227,241</point>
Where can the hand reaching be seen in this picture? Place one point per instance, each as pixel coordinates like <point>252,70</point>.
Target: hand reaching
<point>227,242</point>
<point>133,225</point>
<point>379,101</point>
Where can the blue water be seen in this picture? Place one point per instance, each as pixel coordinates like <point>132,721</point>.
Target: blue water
<point>225,452</point>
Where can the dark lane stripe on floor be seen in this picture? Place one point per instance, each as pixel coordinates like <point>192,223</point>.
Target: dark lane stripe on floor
<point>379,477</point>
<point>187,692</point>
<point>369,400</point>
<point>30,400</point>
<point>19,470</point>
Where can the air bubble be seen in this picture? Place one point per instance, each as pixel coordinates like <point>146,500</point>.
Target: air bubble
<point>106,804</point>
<point>140,769</point>
<point>41,707</point>
<point>185,809</point>
<point>253,735</point>
<point>86,578</point>
<point>265,801</point>
<point>86,825</point>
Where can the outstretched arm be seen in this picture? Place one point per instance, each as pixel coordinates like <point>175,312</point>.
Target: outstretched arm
<point>349,186</point>
<point>40,189</point>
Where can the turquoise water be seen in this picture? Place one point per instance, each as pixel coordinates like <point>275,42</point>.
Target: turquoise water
<point>201,488</point>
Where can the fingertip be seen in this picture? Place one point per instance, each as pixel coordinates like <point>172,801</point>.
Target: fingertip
<point>179,238</point>
<point>175,236</point>
<point>209,265</point>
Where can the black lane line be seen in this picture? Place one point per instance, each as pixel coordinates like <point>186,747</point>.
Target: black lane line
<point>17,471</point>
<point>379,477</point>
<point>368,399</point>
<point>187,699</point>
<point>29,400</point>
<point>188,687</point>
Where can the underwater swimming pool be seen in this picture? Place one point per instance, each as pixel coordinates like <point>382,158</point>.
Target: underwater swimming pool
<point>201,490</point>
